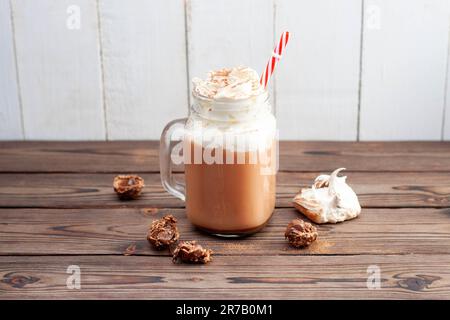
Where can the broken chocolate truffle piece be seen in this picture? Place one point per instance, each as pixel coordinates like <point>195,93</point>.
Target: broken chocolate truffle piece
<point>163,232</point>
<point>300,233</point>
<point>191,252</point>
<point>128,187</point>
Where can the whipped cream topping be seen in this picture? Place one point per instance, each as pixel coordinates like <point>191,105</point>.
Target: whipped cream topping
<point>228,83</point>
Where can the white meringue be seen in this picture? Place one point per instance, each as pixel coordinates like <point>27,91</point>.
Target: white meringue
<point>330,199</point>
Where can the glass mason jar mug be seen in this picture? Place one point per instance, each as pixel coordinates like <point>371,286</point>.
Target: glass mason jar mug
<point>229,150</point>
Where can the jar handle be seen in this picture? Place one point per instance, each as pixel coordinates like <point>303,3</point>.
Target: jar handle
<point>168,181</point>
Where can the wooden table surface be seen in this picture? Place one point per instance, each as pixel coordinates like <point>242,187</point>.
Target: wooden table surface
<point>57,208</point>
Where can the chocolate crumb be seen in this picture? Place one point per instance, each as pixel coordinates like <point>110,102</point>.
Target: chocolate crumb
<point>300,233</point>
<point>163,232</point>
<point>151,211</point>
<point>191,252</point>
<point>130,250</point>
<point>128,186</point>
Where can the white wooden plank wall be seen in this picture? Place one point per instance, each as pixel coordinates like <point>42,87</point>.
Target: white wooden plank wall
<point>228,33</point>
<point>318,80</point>
<point>446,116</point>
<point>10,109</point>
<point>59,69</point>
<point>144,63</point>
<point>114,69</point>
<point>405,51</point>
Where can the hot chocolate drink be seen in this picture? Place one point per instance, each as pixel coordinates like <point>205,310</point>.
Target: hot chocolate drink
<point>233,194</point>
<point>231,199</point>
<point>230,154</point>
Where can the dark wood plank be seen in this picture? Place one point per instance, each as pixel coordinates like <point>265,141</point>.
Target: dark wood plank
<point>142,156</point>
<point>113,231</point>
<point>93,156</point>
<point>365,156</point>
<point>77,190</point>
<point>374,189</point>
<point>59,209</point>
<point>227,277</point>
<point>378,189</point>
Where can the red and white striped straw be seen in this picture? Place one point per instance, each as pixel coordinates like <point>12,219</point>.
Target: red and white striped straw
<point>276,56</point>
